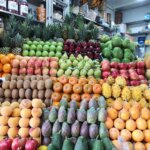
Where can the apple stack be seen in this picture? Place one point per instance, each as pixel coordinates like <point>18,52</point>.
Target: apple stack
<point>90,49</point>
<point>133,72</point>
<point>42,49</point>
<point>34,66</point>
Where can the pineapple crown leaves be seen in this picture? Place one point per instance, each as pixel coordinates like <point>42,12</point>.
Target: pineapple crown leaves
<point>58,31</point>
<point>94,33</point>
<point>37,31</point>
<point>18,40</point>
<point>82,33</point>
<point>71,32</point>
<point>46,34</point>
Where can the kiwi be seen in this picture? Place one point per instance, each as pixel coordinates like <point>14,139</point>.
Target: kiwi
<point>15,93</point>
<point>26,84</point>
<point>47,102</point>
<point>28,93</point>
<point>1,92</point>
<point>45,77</point>
<point>13,84</point>
<point>21,93</point>
<point>19,100</point>
<point>14,100</point>
<point>33,77</point>
<point>35,94</point>
<point>5,84</point>
<point>7,93</point>
<point>48,83</point>
<point>1,100</point>
<point>40,85</point>
<point>41,94</point>
<point>20,84</point>
<point>14,77</point>
<point>48,94</point>
<point>7,99</point>
<point>8,77</point>
<point>27,77</point>
<point>34,84</point>
<point>39,77</point>
<point>20,78</point>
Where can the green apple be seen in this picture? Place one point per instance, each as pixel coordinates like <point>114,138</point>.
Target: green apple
<point>26,47</point>
<point>83,72</point>
<point>97,73</point>
<point>51,54</point>
<point>32,47</point>
<point>75,72</point>
<point>60,44</point>
<point>32,53</point>
<point>59,48</point>
<point>53,43</point>
<point>45,48</point>
<point>72,58</point>
<point>25,53</point>
<point>35,42</point>
<point>44,53</point>
<point>63,66</point>
<point>29,42</point>
<point>48,43</point>
<point>60,72</point>
<point>58,54</point>
<point>38,53</point>
<point>39,47</point>
<point>90,72</point>
<point>75,63</point>
<point>41,43</point>
<point>68,72</point>
<point>52,48</point>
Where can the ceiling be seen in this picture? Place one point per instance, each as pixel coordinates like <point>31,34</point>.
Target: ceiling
<point>127,4</point>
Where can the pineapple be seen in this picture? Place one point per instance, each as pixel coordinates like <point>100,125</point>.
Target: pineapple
<point>58,33</point>
<point>106,90</point>
<point>6,42</point>
<point>126,93</point>
<point>116,90</point>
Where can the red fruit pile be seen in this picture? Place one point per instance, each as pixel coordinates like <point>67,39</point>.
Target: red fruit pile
<point>35,66</point>
<point>90,49</point>
<point>133,72</point>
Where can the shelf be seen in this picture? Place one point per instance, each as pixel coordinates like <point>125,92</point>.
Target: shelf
<point>60,3</point>
<point>96,23</point>
<point>140,33</point>
<point>7,13</point>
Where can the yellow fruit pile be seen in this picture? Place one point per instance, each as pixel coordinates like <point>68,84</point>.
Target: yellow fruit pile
<point>131,122</point>
<point>117,89</point>
<point>21,119</point>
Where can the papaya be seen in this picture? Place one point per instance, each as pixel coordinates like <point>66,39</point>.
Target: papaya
<point>46,128</point>
<point>64,103</point>
<point>45,114</point>
<point>98,145</point>
<point>68,145</point>
<point>62,114</point>
<point>51,147</point>
<point>102,102</point>
<point>82,144</point>
<point>102,114</point>
<point>56,127</point>
<point>108,144</point>
<point>103,132</point>
<point>57,140</point>
<point>53,115</point>
<point>91,143</point>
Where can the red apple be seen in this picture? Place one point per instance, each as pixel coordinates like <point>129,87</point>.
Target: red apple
<point>31,144</point>
<point>123,66</point>
<point>3,145</point>
<point>23,71</point>
<point>23,63</point>
<point>15,63</point>
<point>114,70</point>
<point>45,71</point>
<point>140,64</point>
<point>144,81</point>
<point>134,83</point>
<point>105,62</point>
<point>54,59</point>
<point>140,71</point>
<point>141,77</point>
<point>38,71</point>
<point>105,74</point>
<point>9,143</point>
<point>114,65</point>
<point>128,82</point>
<point>131,70</point>
<point>31,62</point>
<point>132,65</point>
<point>123,71</point>
<point>125,75</point>
<point>45,63</point>
<point>30,71</point>
<point>15,71</point>
<point>114,74</point>
<point>54,64</point>
<point>18,143</point>
<point>134,76</point>
<point>53,72</point>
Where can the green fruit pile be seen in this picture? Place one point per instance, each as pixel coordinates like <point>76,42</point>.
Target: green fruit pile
<point>42,49</point>
<point>78,66</point>
<point>83,128</point>
<point>118,49</point>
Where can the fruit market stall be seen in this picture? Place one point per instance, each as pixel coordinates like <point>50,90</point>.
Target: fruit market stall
<point>65,89</point>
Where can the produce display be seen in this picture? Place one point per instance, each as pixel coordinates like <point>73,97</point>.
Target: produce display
<point>17,88</point>
<point>85,123</point>
<point>21,119</point>
<point>42,49</point>
<point>133,72</point>
<point>147,64</point>
<point>117,49</point>
<point>72,88</point>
